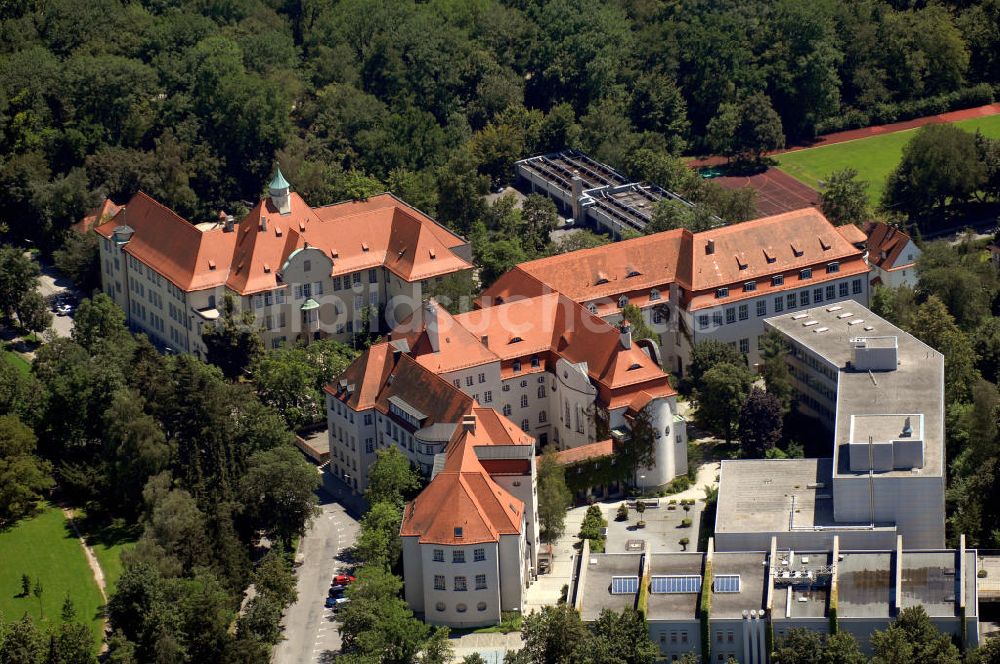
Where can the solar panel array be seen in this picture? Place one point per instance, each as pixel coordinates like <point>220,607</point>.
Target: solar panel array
<point>727,583</point>
<point>624,585</point>
<point>675,584</point>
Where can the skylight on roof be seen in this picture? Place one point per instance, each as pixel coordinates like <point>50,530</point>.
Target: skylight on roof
<point>624,585</point>
<point>675,585</point>
<point>726,583</point>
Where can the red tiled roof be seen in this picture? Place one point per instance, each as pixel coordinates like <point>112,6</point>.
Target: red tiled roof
<point>463,498</point>
<point>699,263</point>
<point>885,246</point>
<point>852,233</point>
<point>97,216</point>
<point>600,449</point>
<point>382,231</point>
<point>190,258</point>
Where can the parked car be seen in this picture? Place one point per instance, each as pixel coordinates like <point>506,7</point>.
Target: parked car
<point>343,580</point>
<point>336,602</point>
<point>337,591</point>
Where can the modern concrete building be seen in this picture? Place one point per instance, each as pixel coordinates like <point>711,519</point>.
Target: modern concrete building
<point>718,284</point>
<point>564,375</point>
<point>879,394</point>
<point>305,273</point>
<point>757,596</point>
<point>593,193</point>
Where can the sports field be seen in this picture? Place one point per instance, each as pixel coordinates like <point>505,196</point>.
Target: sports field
<point>873,157</point>
<point>45,549</point>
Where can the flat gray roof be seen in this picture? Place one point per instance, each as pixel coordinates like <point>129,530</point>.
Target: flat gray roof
<point>916,386</point>
<point>756,495</point>
<point>753,588</point>
<point>597,584</point>
<point>865,585</point>
<point>674,606</point>
<point>930,579</point>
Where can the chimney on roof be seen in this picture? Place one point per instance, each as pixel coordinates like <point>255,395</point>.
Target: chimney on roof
<point>431,324</point>
<point>227,224</point>
<point>625,330</point>
<point>709,246</point>
<point>469,423</point>
<point>263,224</point>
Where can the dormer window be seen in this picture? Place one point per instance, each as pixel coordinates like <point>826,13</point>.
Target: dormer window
<point>364,246</point>
<point>654,295</point>
<point>516,366</point>
<point>722,292</point>
<point>832,267</point>
<point>741,262</point>
<point>458,532</point>
<point>806,273</point>
<point>601,279</point>
<point>635,366</point>
<point>769,256</point>
<point>592,308</point>
<point>796,251</point>
<point>622,302</point>
<point>824,244</point>
<point>514,340</point>
<point>632,272</point>
<point>749,286</point>
<point>778,280</point>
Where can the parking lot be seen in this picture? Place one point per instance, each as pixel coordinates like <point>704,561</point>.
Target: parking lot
<point>310,629</point>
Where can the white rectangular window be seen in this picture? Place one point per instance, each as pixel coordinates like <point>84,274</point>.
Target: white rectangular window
<point>458,556</point>
<point>480,582</point>
<point>439,582</point>
<point>460,583</point>
<point>479,555</point>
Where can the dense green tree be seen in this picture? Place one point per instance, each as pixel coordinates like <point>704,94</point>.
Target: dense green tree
<point>777,377</point>
<point>554,635</point>
<point>554,498</point>
<point>932,324</point>
<point>987,653</point>
<point>438,648</point>
<point>99,321</point>
<point>135,449</point>
<point>391,478</point>
<point>18,276</point>
<point>760,422</point>
<point>277,492</point>
<point>290,379</point>
<point>580,239</point>
<point>233,344</point>
<point>378,539</point>
<point>22,643</point>
<point>844,198</point>
<point>73,644</point>
<point>24,478</point>
<point>622,638</point>
<point>799,646</point>
<point>912,637</point>
<point>376,624</point>
<point>724,389</point>
<point>707,354</point>
<point>33,312</point>
<point>939,165</point>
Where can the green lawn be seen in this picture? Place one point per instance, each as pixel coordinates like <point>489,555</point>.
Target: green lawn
<point>873,158</point>
<point>19,362</point>
<point>44,548</point>
<point>108,541</point>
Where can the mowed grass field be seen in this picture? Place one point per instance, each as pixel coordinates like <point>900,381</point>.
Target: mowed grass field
<point>44,548</point>
<point>873,157</point>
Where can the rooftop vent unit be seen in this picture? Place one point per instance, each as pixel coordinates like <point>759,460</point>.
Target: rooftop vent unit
<point>809,323</point>
<point>821,329</point>
<point>847,314</point>
<point>799,316</point>
<point>835,307</point>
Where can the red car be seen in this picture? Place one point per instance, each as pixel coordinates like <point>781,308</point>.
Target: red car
<point>343,580</point>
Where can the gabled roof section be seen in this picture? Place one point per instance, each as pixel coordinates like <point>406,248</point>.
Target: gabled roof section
<point>852,234</point>
<point>886,245</point>
<point>190,258</point>
<point>794,240</point>
<point>261,242</point>
<point>462,504</point>
<point>653,261</point>
<point>457,347</point>
<point>382,373</point>
<point>97,216</point>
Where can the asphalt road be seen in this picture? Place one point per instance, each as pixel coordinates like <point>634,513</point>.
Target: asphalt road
<point>52,283</point>
<point>310,630</point>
